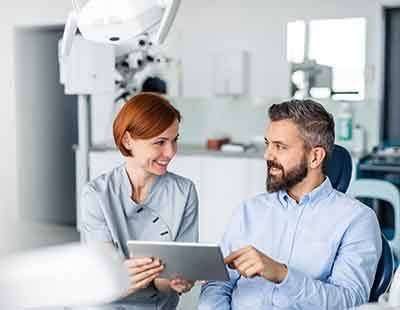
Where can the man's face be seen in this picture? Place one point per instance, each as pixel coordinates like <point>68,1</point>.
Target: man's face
<point>286,156</point>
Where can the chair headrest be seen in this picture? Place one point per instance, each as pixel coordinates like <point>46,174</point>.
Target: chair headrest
<point>338,168</point>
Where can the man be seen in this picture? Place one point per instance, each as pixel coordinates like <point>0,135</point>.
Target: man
<point>302,245</point>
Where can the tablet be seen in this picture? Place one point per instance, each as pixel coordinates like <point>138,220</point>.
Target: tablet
<point>191,261</point>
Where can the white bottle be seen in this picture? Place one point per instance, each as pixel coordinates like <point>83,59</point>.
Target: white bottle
<point>345,122</point>
<point>358,145</point>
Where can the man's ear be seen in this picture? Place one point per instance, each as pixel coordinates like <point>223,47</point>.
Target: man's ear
<point>317,156</point>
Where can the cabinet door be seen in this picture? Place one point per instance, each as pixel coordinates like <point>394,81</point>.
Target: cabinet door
<point>101,162</point>
<point>257,176</point>
<point>189,167</point>
<point>224,186</point>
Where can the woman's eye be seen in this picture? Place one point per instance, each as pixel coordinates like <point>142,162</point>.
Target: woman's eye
<point>160,142</point>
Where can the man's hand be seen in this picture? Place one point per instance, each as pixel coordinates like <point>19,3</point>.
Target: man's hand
<point>142,272</point>
<point>250,262</point>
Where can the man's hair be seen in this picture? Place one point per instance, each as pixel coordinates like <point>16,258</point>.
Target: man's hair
<point>315,124</point>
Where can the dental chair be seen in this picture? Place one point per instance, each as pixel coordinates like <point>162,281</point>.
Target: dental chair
<point>381,190</point>
<point>339,170</point>
<point>71,275</point>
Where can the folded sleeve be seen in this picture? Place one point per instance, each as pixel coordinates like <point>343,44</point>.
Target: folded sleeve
<point>93,222</point>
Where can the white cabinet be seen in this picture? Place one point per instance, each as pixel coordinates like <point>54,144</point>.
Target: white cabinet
<point>257,176</point>
<point>222,184</point>
<point>190,167</point>
<point>104,161</point>
<point>225,183</point>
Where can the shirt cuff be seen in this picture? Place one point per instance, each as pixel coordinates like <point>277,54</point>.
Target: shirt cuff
<point>286,293</point>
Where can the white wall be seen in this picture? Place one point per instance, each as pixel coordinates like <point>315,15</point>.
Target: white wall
<point>259,27</point>
<point>204,28</point>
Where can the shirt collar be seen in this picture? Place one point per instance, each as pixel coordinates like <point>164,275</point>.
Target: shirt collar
<point>323,190</point>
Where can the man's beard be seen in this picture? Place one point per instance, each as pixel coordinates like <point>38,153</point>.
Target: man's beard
<point>287,179</point>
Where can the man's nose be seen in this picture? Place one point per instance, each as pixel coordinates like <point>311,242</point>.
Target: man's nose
<point>268,154</point>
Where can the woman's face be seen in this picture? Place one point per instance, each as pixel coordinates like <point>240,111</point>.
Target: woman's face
<point>153,155</point>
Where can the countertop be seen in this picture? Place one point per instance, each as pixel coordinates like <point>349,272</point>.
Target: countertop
<point>193,150</point>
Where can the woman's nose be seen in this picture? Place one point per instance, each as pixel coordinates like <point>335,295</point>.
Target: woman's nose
<point>169,150</point>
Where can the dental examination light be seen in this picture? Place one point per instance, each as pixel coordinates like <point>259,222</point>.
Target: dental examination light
<point>118,21</point>
<point>71,275</point>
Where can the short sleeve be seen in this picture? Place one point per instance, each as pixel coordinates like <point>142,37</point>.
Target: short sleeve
<point>93,222</point>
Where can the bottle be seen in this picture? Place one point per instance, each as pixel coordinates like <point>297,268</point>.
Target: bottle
<point>345,122</point>
<point>359,140</point>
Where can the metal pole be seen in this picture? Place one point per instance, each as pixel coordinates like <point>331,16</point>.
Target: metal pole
<point>82,151</point>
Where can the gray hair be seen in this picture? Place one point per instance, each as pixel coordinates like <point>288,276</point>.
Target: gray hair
<point>315,124</point>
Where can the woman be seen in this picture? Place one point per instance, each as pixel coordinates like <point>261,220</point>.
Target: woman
<point>141,200</point>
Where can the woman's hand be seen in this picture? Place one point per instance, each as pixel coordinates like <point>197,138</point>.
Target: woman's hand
<point>181,285</point>
<point>176,285</point>
<point>142,272</point>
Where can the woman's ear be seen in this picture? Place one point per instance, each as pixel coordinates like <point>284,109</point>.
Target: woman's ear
<point>127,141</point>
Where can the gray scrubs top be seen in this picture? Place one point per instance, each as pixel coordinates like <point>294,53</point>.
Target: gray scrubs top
<point>169,213</point>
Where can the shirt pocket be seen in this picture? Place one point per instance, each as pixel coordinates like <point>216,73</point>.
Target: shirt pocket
<point>315,259</point>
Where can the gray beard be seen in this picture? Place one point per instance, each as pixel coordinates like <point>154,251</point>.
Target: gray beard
<point>287,179</point>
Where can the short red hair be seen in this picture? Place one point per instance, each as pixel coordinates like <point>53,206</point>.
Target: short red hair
<point>144,116</point>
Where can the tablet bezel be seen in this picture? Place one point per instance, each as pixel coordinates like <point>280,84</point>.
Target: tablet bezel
<point>188,260</point>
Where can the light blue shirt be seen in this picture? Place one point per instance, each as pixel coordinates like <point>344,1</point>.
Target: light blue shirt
<point>330,243</point>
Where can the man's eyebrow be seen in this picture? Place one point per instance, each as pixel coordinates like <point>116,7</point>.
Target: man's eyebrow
<point>275,142</point>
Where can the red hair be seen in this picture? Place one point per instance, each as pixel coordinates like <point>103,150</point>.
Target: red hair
<point>144,116</point>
